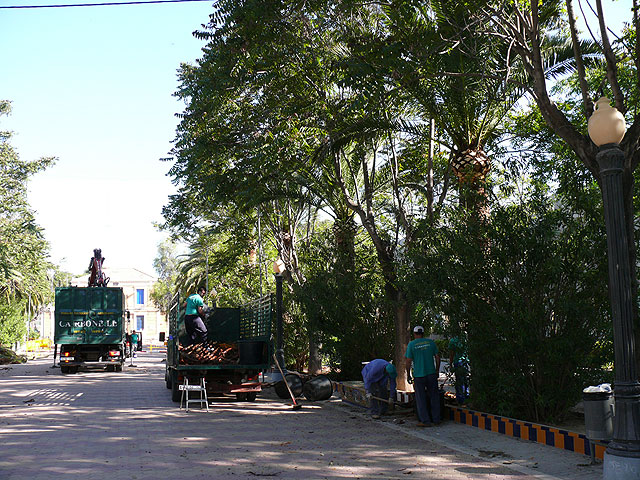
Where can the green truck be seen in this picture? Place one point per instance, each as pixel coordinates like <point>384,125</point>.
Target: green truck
<point>90,327</point>
<point>246,328</point>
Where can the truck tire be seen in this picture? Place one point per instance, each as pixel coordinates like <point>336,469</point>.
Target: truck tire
<point>118,368</point>
<point>111,368</point>
<point>175,387</point>
<point>167,378</point>
<point>64,369</point>
<point>241,397</point>
<point>73,369</point>
<point>251,396</point>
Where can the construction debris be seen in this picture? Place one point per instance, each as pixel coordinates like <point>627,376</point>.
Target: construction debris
<point>209,353</point>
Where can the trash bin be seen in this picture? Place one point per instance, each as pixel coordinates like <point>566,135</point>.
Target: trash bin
<point>319,388</point>
<point>295,384</point>
<point>598,412</point>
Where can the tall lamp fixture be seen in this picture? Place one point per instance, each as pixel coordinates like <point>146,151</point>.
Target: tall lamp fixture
<point>278,269</point>
<point>622,457</point>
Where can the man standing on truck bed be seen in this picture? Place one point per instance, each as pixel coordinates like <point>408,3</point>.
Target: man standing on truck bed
<point>194,315</point>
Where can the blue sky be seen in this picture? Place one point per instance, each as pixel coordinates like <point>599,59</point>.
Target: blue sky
<point>93,87</point>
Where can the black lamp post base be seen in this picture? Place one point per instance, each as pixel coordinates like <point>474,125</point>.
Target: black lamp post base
<point>616,467</point>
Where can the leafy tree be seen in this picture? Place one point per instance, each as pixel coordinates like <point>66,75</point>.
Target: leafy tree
<point>343,294</point>
<point>523,25</point>
<point>24,269</point>
<point>216,259</point>
<point>166,265</point>
<point>12,324</point>
<point>247,137</point>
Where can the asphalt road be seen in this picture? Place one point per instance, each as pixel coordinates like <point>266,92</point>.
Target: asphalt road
<point>113,426</point>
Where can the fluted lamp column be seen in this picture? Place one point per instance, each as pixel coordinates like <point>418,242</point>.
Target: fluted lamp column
<point>622,457</point>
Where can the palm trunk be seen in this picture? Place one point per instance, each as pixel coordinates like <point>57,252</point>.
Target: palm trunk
<point>471,167</point>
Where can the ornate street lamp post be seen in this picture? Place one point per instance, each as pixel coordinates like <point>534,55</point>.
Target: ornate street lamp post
<point>622,457</point>
<point>278,269</point>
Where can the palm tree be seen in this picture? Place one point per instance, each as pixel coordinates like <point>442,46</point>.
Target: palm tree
<point>466,81</point>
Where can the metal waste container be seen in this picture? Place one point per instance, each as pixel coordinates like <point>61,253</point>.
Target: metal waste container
<point>598,412</point>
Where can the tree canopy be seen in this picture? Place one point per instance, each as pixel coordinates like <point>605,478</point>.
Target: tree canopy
<point>340,128</point>
<point>26,274</point>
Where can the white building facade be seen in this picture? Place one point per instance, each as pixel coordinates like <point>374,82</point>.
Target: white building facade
<point>143,316</point>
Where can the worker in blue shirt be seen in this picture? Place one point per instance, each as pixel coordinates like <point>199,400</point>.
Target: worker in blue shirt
<point>379,381</point>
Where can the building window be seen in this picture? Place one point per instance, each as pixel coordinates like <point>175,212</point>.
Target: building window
<point>140,296</point>
<point>139,323</point>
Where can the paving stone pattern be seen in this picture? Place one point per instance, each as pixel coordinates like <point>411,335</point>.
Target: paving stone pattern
<point>123,425</point>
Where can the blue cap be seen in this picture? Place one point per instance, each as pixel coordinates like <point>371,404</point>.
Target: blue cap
<point>391,370</point>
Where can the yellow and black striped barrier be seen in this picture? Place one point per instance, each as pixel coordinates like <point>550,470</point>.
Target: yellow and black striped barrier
<point>354,393</point>
<point>551,436</point>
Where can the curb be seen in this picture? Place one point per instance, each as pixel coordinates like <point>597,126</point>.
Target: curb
<point>543,434</point>
<point>453,446</point>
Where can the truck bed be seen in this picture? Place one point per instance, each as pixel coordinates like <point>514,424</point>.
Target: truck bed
<point>248,327</point>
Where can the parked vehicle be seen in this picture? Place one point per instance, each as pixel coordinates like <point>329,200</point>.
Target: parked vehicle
<point>237,351</point>
<point>90,327</point>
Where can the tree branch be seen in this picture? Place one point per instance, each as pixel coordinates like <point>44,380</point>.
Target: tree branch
<point>582,76</point>
<point>612,67</point>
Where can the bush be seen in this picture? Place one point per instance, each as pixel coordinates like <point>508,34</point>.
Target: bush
<point>8,356</point>
<point>12,324</point>
<point>529,288</point>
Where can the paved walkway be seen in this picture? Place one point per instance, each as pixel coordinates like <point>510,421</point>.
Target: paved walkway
<point>113,426</point>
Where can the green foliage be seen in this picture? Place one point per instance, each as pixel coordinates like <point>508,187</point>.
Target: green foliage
<point>166,265</point>
<point>532,298</point>
<point>24,270</point>
<point>297,107</point>
<point>342,298</point>
<point>443,347</point>
<point>33,335</point>
<point>13,327</point>
<point>221,259</point>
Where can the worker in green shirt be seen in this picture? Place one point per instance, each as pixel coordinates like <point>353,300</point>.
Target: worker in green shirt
<point>134,343</point>
<point>423,354</point>
<point>459,365</point>
<point>194,316</point>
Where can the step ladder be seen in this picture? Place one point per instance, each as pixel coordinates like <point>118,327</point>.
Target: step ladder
<point>186,388</point>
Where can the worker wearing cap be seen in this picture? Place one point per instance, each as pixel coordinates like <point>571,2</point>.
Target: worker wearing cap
<point>379,381</point>
<point>194,316</point>
<point>423,354</point>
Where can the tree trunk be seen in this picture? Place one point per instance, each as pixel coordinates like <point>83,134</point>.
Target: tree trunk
<point>344,230</point>
<point>315,360</point>
<point>402,336</point>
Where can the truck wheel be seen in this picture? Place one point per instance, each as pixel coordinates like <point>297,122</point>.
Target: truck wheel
<point>241,397</point>
<point>118,368</point>
<point>175,392</point>
<point>251,396</point>
<point>64,369</point>
<point>111,368</point>
<point>73,369</point>
<point>167,379</point>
